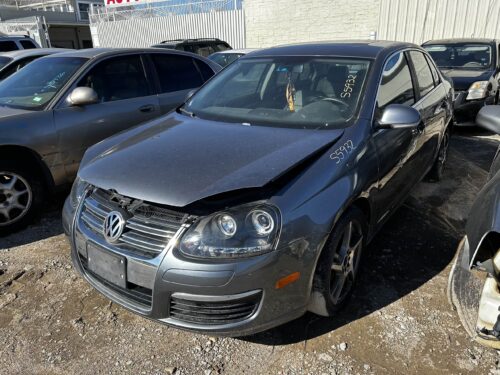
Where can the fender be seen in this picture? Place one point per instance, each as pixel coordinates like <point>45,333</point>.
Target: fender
<point>484,218</point>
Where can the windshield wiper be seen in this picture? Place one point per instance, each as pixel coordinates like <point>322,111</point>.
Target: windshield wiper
<point>185,112</point>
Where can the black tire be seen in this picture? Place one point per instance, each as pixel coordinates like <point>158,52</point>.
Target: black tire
<point>20,176</point>
<point>326,297</point>
<point>436,172</point>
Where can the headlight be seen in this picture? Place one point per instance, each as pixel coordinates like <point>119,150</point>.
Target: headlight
<point>77,191</point>
<point>239,232</point>
<point>478,90</point>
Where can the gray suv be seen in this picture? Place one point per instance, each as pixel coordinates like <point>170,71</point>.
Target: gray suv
<point>59,105</point>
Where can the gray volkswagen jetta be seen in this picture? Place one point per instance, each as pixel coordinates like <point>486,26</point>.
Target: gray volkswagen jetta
<point>59,105</point>
<point>252,202</point>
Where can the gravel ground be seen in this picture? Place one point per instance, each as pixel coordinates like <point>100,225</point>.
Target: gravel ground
<point>398,321</point>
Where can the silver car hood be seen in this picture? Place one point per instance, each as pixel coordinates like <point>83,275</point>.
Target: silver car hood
<point>179,160</point>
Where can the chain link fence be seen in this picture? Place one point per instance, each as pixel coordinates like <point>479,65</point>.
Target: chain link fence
<point>153,10</point>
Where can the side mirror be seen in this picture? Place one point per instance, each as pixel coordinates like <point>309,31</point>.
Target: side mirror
<point>81,96</point>
<point>398,116</point>
<point>489,118</point>
<point>190,94</point>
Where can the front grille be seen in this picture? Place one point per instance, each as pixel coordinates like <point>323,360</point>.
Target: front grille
<point>136,293</point>
<point>214,313</point>
<point>147,231</point>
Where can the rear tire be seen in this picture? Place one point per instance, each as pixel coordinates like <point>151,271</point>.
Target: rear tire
<point>22,194</point>
<point>436,172</point>
<point>339,263</point>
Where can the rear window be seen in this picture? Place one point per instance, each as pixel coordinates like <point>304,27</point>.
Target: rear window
<point>28,44</point>
<point>8,45</point>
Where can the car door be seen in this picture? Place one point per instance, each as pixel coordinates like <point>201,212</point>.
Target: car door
<point>176,76</point>
<point>396,148</point>
<point>433,107</point>
<point>126,99</point>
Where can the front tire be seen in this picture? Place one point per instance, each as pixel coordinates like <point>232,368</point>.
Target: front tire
<point>339,263</point>
<point>21,196</point>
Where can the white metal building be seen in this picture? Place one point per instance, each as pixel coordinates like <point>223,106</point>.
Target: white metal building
<point>262,23</point>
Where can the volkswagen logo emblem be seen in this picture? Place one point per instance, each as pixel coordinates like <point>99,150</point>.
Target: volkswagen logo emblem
<point>114,224</point>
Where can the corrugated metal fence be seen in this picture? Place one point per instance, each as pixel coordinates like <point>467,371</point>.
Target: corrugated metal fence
<point>419,21</point>
<point>143,32</point>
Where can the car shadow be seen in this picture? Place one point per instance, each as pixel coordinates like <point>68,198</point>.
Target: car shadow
<point>477,145</point>
<point>48,225</point>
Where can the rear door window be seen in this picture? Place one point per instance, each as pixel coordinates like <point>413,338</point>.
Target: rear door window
<point>396,86</point>
<point>8,45</point>
<point>176,72</point>
<point>423,72</point>
<point>117,78</point>
<point>435,74</point>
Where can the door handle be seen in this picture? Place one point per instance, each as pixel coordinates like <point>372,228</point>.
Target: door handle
<point>147,108</point>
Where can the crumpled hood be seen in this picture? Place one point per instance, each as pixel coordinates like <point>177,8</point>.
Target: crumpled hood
<point>463,78</point>
<point>177,160</point>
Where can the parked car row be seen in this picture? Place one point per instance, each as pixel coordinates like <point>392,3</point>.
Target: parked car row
<point>236,206</point>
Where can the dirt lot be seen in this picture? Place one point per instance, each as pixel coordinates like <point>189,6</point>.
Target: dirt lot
<point>399,321</point>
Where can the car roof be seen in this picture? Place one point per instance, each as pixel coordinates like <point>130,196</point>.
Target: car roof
<point>459,40</point>
<point>16,37</point>
<point>192,40</point>
<point>352,48</point>
<point>90,53</point>
<point>20,53</point>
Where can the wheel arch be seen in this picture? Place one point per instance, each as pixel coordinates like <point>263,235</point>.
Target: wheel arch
<point>31,158</point>
<point>487,248</point>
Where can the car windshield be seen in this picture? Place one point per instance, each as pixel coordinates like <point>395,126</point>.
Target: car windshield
<point>461,55</point>
<point>300,92</point>
<point>4,61</point>
<point>35,85</point>
<point>224,59</point>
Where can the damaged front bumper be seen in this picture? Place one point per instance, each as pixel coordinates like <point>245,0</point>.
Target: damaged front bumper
<point>229,298</point>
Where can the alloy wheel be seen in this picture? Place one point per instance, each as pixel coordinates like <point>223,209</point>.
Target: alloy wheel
<point>15,197</point>
<point>345,262</point>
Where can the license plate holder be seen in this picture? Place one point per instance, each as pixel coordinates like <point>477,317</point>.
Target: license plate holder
<point>107,265</point>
